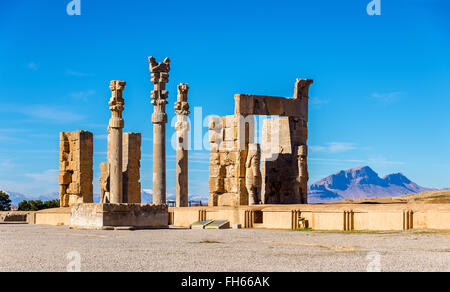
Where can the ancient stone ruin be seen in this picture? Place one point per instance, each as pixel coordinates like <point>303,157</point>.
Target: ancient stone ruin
<point>120,203</point>
<point>229,138</point>
<point>75,175</point>
<point>182,129</point>
<point>234,162</point>
<point>115,135</point>
<point>242,172</point>
<point>160,76</point>
<point>131,163</point>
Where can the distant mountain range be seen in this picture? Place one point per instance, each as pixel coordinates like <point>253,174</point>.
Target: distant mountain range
<point>16,198</point>
<point>361,182</point>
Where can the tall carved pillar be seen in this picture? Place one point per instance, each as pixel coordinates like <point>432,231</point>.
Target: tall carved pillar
<point>253,174</point>
<point>303,176</point>
<point>182,128</point>
<point>115,129</point>
<point>160,76</point>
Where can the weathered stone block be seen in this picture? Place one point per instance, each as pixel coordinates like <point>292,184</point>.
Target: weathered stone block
<point>228,158</point>
<point>228,146</point>
<point>216,185</point>
<point>230,171</point>
<point>214,147</point>
<point>214,158</point>
<point>76,151</point>
<point>105,216</point>
<point>64,178</point>
<point>230,134</point>
<point>229,121</point>
<point>231,185</point>
<point>131,155</point>
<point>217,171</point>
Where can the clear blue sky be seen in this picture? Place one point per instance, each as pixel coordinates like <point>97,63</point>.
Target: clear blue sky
<point>381,94</point>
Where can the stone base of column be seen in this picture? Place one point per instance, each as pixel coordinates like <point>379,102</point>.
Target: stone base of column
<point>119,216</point>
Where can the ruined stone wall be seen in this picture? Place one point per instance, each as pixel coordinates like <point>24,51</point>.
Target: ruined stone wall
<point>76,172</point>
<point>229,139</point>
<point>131,164</point>
<point>284,151</point>
<point>282,161</point>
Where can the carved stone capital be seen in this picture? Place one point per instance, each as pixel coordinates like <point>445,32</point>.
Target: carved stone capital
<point>156,67</point>
<point>117,87</point>
<point>116,103</point>
<point>182,106</point>
<point>160,76</point>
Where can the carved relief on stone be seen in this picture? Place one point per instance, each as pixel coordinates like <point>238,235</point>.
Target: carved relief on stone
<point>104,183</point>
<point>131,164</point>
<point>253,174</point>
<point>303,176</point>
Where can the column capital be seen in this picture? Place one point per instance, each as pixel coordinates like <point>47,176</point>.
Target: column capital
<point>156,67</point>
<point>182,105</point>
<point>160,76</point>
<point>116,103</point>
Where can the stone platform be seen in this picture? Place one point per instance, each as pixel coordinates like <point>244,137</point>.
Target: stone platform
<point>339,217</point>
<point>119,216</point>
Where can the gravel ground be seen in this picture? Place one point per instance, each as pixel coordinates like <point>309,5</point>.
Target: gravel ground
<point>44,248</point>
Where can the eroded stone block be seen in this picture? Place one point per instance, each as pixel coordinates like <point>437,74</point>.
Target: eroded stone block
<point>75,178</point>
<point>135,216</point>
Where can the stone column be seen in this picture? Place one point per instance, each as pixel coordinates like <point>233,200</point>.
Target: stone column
<point>182,128</point>
<point>115,129</point>
<point>160,76</point>
<point>253,174</point>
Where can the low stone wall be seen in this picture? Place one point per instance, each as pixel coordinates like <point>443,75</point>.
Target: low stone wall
<point>323,217</point>
<point>16,217</point>
<point>53,217</point>
<point>385,217</point>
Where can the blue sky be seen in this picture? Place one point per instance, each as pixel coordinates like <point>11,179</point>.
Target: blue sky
<point>381,93</point>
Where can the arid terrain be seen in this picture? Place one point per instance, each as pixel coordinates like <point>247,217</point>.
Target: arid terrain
<point>44,248</point>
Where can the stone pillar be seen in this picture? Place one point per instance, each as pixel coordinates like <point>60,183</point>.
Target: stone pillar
<point>160,76</point>
<point>182,129</point>
<point>115,129</point>
<point>131,168</point>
